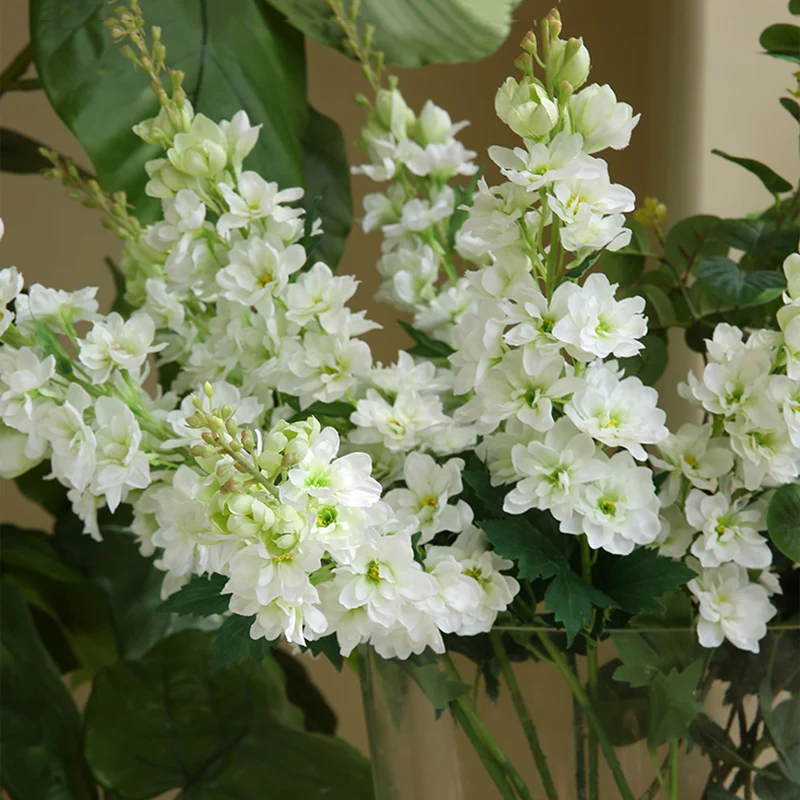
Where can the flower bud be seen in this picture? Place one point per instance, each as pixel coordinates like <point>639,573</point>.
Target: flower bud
<point>568,61</point>
<point>525,108</point>
<point>393,113</point>
<point>433,126</point>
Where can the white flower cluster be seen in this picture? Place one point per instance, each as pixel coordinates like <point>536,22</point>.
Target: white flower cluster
<point>233,480</point>
<point>419,155</point>
<point>720,473</point>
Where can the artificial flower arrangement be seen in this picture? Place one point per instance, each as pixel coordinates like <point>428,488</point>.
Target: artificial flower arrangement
<point>507,489</point>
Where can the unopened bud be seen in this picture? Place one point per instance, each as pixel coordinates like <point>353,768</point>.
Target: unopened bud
<point>231,427</point>
<point>227,411</point>
<point>209,390</point>
<point>528,44</point>
<point>524,63</point>
<point>197,402</point>
<point>247,439</point>
<point>526,108</point>
<point>208,437</point>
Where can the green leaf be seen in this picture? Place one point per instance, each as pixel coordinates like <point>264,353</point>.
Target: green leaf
<point>49,494</point>
<point>40,727</point>
<point>673,704</point>
<point>658,307</point>
<point>731,283</point>
<point>438,688</point>
<point>719,793</point>
<point>623,709</point>
<point>318,716</point>
<point>338,408</point>
<point>760,238</point>
<point>650,363</point>
<point>329,647</point>
<point>792,107</point>
<point>636,582</point>
<point>782,520</point>
<point>425,346</point>
<point>20,153</point>
<point>411,34</point>
<point>34,551</point>
<point>782,41</point>
<point>540,550</point>
<point>234,644</point>
<point>168,721</point>
<point>780,789</point>
<point>571,600</point>
<point>582,266</point>
<point>691,240</point>
<point>773,182</point>
<point>459,216</point>
<point>99,95</point>
<point>201,597</point>
<point>794,7</point>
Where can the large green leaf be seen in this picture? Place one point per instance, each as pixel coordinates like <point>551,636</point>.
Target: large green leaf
<point>691,240</point>
<point>773,182</point>
<point>733,285</point>
<point>782,520</point>
<point>782,41</point>
<point>239,54</point>
<point>636,582</point>
<point>673,704</point>
<point>623,709</point>
<point>572,599</point>
<point>40,728</point>
<point>649,364</point>
<point>168,721</point>
<point>412,33</point>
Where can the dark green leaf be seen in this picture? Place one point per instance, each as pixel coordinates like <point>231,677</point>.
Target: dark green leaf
<point>425,346</point>
<point>583,266</point>
<point>673,704</point>
<point>168,722</point>
<point>40,727</point>
<point>771,180</point>
<point>49,494</point>
<point>760,238</point>
<point>782,520</point>
<point>201,597</point>
<point>34,551</point>
<point>480,493</point>
<point>782,41</point>
<point>438,688</point>
<point>318,716</point>
<point>636,582</point>
<point>329,647</point>
<point>623,710</point>
<point>459,215</point>
<point>780,789</point>
<point>338,408</point>
<point>792,107</point>
<point>731,283</point>
<point>719,793</point>
<point>412,34</point>
<point>326,176</point>
<point>540,551</point>
<point>621,267</point>
<point>691,240</point>
<point>651,362</point>
<point>99,95</point>
<point>571,600</point>
<point>20,153</point>
<point>794,7</point>
<point>234,644</point>
<point>658,307</point>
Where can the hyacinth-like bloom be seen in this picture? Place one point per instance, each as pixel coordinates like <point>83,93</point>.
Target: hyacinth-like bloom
<point>359,529</point>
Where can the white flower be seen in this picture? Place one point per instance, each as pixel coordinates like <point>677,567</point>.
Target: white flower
<point>676,534</point>
<point>340,481</point>
<point>22,376</point>
<point>524,390</point>
<point>121,464</point>
<point>317,293</point>
<point>434,126</point>
<point>588,232</point>
<point>541,164</point>
<point>552,470</point>
<point>730,530</point>
<point>257,269</point>
<point>618,413</point>
<point>441,161</point>
<point>118,343</point>
<point>424,501</point>
<point>14,461</point>
<point>183,220</point>
<point>593,189</point>
<point>382,209</point>
<point>56,309</point>
<point>600,119</point>
<point>789,321</point>
<point>418,215</point>
<point>619,510</point>
<point>526,108</point>
<point>71,439</point>
<point>382,578</point>
<point>201,152</point>
<point>240,137</point>
<point>440,316</point>
<point>791,268</point>
<point>593,324</point>
<point>256,199</point>
<point>406,374</point>
<point>400,425</point>
<point>693,454</point>
<point>731,607</point>
<point>10,286</point>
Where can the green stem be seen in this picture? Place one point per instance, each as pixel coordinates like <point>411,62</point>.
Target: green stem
<point>496,773</point>
<point>591,663</point>
<point>674,765</point>
<point>579,731</point>
<point>11,75</point>
<point>525,719</point>
<point>480,730</point>
<point>577,690</point>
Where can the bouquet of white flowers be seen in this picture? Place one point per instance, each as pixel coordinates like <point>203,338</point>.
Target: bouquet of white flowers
<point>509,480</point>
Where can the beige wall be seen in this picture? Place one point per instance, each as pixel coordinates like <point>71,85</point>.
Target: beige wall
<point>690,66</point>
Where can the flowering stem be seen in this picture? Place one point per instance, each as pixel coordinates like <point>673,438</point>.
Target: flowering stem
<point>524,717</point>
<point>591,663</point>
<point>578,723</point>
<point>582,698</point>
<point>674,756</point>
<point>477,730</point>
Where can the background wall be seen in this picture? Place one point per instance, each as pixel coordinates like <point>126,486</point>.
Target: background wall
<point>690,66</point>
